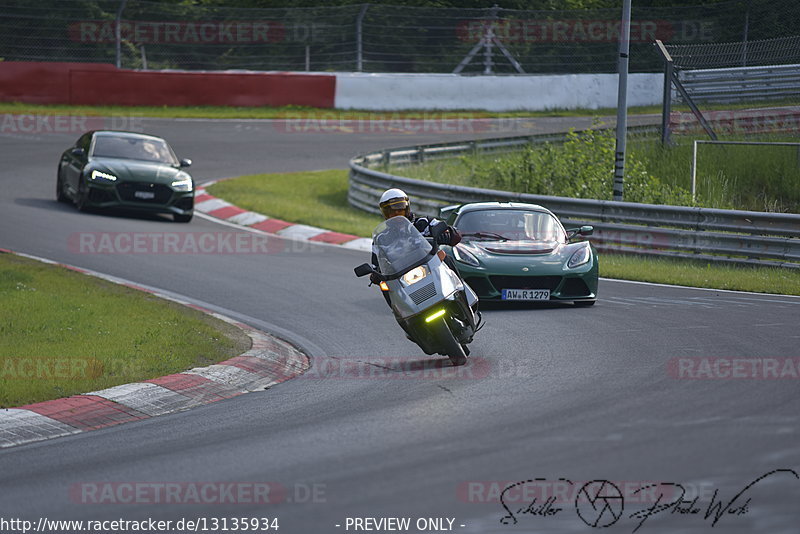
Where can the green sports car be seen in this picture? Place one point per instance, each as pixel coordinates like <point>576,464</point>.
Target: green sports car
<point>521,252</point>
<point>111,169</point>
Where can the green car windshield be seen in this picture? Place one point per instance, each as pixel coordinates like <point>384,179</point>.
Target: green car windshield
<point>141,148</point>
<point>398,245</point>
<point>512,225</point>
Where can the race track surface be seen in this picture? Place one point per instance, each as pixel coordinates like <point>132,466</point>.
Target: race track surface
<point>552,392</point>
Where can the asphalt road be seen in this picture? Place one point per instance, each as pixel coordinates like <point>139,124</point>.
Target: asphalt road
<point>552,392</point>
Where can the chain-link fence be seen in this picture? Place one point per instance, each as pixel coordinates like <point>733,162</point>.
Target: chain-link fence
<point>371,38</point>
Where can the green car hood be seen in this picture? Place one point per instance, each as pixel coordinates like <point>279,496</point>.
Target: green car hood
<point>517,247</point>
<point>137,171</point>
<point>502,255</point>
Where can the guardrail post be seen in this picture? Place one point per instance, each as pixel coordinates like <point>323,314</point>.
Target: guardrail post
<point>386,160</point>
<point>420,154</point>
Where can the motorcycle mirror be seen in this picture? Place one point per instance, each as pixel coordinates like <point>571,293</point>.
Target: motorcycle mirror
<point>438,230</point>
<point>363,270</point>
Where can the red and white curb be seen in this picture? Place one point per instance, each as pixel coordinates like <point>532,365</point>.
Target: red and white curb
<point>268,362</point>
<point>220,209</point>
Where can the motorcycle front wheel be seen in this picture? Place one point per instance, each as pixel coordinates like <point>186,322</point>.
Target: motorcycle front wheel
<point>450,347</point>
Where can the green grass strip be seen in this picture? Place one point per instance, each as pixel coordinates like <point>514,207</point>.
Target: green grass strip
<point>319,198</point>
<point>64,333</point>
<point>287,112</point>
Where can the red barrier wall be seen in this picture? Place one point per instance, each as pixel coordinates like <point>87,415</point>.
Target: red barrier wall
<point>102,84</point>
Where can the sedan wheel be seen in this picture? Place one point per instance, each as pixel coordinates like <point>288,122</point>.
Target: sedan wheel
<point>60,196</point>
<point>82,200</point>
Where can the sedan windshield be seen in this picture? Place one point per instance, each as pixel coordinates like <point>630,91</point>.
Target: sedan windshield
<point>517,225</point>
<point>141,148</point>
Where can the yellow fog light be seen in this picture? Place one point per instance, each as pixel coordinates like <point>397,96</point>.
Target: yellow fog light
<point>434,316</point>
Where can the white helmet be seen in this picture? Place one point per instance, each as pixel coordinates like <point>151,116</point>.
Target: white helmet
<point>394,202</point>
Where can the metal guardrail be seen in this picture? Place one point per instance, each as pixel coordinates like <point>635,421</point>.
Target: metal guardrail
<point>715,235</point>
<point>736,84</point>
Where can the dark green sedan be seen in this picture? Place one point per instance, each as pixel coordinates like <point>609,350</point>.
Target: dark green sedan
<point>521,252</point>
<point>131,171</point>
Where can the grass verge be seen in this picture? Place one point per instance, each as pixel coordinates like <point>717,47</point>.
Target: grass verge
<point>63,333</point>
<point>319,198</point>
<point>287,112</point>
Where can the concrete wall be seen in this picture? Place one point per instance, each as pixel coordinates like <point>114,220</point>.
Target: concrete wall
<point>102,84</point>
<point>493,93</point>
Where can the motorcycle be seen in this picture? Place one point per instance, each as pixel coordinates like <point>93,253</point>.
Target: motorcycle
<point>429,301</point>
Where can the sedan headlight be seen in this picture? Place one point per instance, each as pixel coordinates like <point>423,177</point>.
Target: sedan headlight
<point>464,256</point>
<point>415,275</point>
<point>581,256</point>
<point>103,176</point>
<point>182,184</point>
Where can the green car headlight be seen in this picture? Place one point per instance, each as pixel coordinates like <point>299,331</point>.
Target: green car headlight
<point>182,184</point>
<point>464,256</point>
<point>102,176</point>
<point>581,256</point>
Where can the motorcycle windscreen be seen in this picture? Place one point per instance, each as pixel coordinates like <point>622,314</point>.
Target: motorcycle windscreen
<point>398,245</point>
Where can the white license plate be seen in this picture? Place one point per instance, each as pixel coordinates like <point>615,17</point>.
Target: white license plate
<point>526,294</point>
<point>144,195</point>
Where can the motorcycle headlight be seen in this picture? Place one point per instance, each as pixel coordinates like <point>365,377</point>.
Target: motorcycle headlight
<point>464,256</point>
<point>182,184</point>
<point>102,176</point>
<point>415,275</point>
<point>579,257</point>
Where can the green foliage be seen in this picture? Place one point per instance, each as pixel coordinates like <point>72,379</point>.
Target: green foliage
<point>757,178</point>
<point>581,167</point>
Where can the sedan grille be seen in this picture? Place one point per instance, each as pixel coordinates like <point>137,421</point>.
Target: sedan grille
<point>424,293</point>
<point>128,192</point>
<point>525,282</point>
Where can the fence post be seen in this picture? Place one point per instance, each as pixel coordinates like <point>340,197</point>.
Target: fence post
<point>666,107</point>
<point>118,32</point>
<point>359,38</point>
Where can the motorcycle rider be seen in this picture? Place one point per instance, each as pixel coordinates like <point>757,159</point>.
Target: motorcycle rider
<point>394,202</point>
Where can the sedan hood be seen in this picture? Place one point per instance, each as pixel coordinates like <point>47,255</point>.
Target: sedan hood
<point>137,171</point>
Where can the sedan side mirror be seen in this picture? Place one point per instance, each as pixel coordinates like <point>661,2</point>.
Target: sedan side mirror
<point>186,163</point>
<point>78,152</point>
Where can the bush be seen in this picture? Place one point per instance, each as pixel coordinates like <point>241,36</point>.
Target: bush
<point>581,167</point>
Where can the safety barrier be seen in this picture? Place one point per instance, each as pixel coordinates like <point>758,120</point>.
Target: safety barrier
<point>713,235</point>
